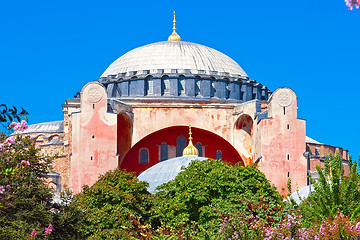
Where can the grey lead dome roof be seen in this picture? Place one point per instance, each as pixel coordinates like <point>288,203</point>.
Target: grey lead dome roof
<point>166,171</point>
<point>174,57</point>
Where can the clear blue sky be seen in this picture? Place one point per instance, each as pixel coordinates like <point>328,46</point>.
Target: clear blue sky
<point>50,49</point>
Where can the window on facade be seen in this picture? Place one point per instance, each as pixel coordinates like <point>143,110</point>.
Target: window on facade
<point>165,82</point>
<point>180,145</point>
<point>182,84</point>
<point>212,87</point>
<point>163,151</point>
<point>317,151</point>
<point>199,148</point>
<point>149,86</point>
<point>227,88</point>
<point>144,156</point>
<point>197,85</point>
<point>218,154</point>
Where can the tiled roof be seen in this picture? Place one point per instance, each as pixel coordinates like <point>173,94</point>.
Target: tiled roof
<point>46,127</point>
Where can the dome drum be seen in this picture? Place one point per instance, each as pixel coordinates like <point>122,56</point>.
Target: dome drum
<point>185,86</point>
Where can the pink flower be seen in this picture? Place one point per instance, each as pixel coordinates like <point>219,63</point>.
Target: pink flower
<point>48,230</point>
<point>352,3</point>
<point>33,233</point>
<point>358,226</point>
<point>10,140</point>
<point>25,162</point>
<point>21,126</point>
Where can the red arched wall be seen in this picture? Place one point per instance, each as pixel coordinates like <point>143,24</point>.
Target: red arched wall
<point>211,141</point>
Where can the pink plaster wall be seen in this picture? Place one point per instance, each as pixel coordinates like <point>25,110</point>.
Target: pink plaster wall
<point>94,138</point>
<point>283,142</point>
<point>151,119</point>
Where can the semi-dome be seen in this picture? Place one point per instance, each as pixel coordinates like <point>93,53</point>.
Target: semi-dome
<point>166,171</point>
<point>174,57</point>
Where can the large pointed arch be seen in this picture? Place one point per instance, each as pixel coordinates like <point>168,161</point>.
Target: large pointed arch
<point>211,143</point>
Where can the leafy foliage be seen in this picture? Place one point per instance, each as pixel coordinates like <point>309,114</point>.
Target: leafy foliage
<point>334,192</point>
<point>113,205</point>
<point>25,199</point>
<point>68,220</point>
<point>9,114</point>
<point>207,189</point>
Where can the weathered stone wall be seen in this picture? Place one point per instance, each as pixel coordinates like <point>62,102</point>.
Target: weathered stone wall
<point>94,138</point>
<point>283,141</point>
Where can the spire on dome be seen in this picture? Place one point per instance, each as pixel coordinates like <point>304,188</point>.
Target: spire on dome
<point>190,149</point>
<point>174,36</point>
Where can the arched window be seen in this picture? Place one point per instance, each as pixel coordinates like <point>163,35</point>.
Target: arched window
<point>218,154</point>
<point>212,87</point>
<point>144,156</point>
<point>149,86</point>
<point>199,148</point>
<point>182,84</point>
<point>163,151</point>
<point>165,85</point>
<point>180,145</point>
<point>197,85</point>
<point>227,88</point>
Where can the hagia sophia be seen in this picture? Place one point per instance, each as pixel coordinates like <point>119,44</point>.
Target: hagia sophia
<point>137,115</point>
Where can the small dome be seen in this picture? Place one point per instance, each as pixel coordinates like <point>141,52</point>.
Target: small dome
<point>166,171</point>
<point>190,149</point>
<point>174,57</point>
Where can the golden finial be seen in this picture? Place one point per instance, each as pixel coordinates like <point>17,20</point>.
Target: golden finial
<point>190,149</point>
<point>174,36</point>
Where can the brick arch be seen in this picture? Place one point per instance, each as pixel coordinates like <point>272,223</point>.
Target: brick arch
<point>153,141</point>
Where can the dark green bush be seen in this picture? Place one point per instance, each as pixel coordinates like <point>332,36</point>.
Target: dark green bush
<point>208,189</point>
<point>114,206</point>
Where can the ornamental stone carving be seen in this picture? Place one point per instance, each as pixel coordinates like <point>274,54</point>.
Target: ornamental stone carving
<point>284,98</point>
<point>94,95</point>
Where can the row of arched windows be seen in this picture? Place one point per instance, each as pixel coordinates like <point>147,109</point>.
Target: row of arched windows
<point>191,87</point>
<point>165,86</point>
<point>181,143</point>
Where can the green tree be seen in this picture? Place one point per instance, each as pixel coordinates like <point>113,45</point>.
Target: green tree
<point>114,206</point>
<point>334,192</point>
<point>24,197</point>
<point>205,190</point>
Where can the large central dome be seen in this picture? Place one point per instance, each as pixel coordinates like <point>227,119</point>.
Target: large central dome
<point>174,57</point>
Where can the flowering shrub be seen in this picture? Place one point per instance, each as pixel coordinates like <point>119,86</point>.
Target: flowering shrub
<point>352,3</point>
<point>24,198</point>
<point>241,226</point>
